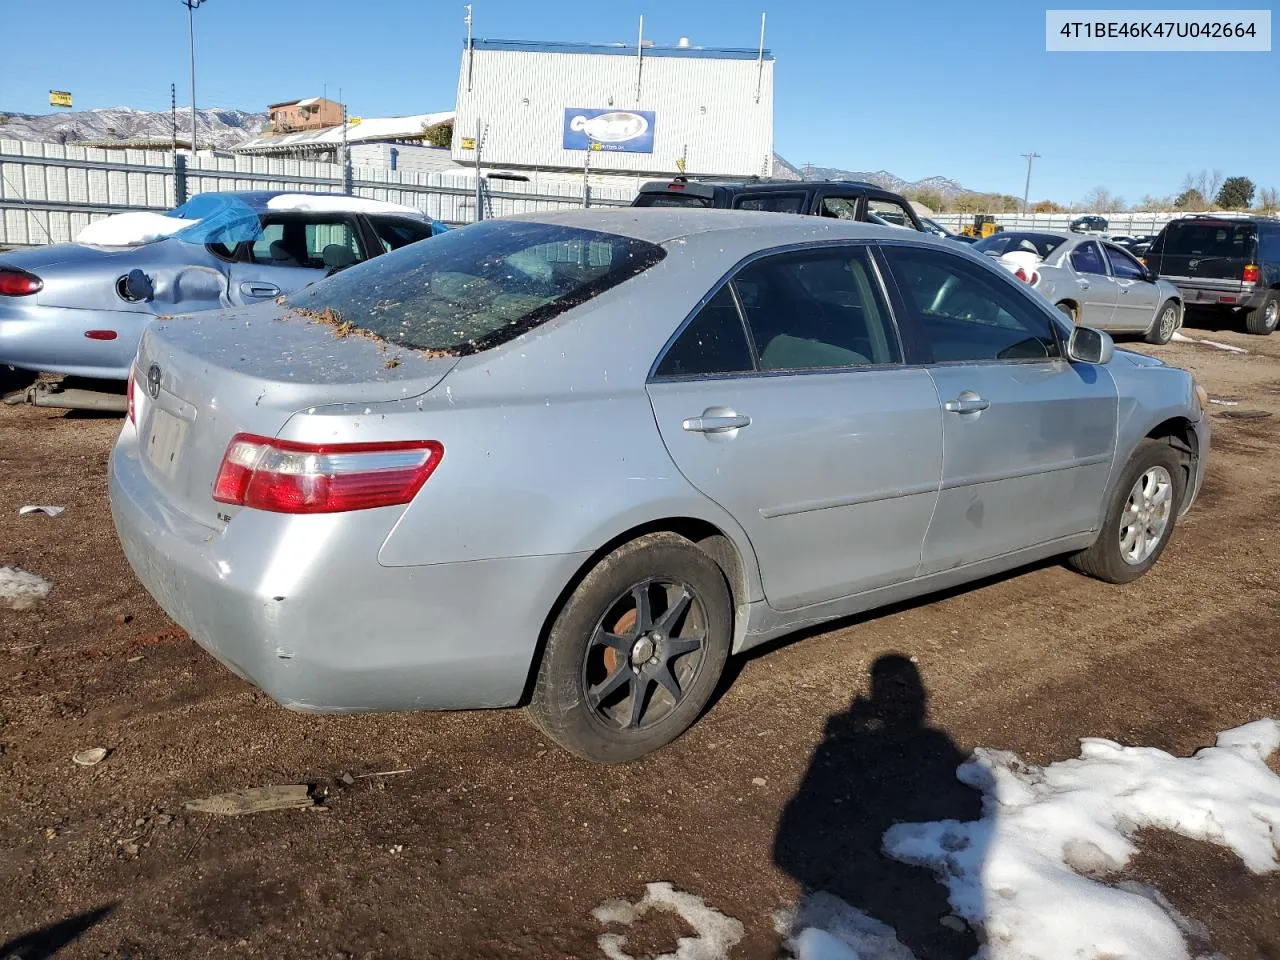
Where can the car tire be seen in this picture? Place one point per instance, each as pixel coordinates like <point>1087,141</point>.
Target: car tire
<point>1153,464</point>
<point>604,654</point>
<point>1264,319</point>
<point>1166,323</point>
<point>1068,310</point>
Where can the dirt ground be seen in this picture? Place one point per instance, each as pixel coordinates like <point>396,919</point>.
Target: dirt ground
<point>494,843</point>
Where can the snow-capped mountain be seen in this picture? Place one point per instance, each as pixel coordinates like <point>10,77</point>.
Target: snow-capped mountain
<point>943,185</point>
<point>224,128</point>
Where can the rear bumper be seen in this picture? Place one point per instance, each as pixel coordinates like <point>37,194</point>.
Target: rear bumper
<point>52,339</point>
<point>1205,292</point>
<point>300,606</point>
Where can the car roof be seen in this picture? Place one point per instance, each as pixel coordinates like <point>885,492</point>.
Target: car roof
<point>763,186</point>
<point>664,224</point>
<point>259,200</point>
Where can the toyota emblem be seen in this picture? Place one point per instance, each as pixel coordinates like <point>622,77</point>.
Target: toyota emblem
<point>1193,263</point>
<point>153,381</point>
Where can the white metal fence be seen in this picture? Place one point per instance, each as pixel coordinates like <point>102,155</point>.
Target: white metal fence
<point>49,192</point>
<point>1119,224</point>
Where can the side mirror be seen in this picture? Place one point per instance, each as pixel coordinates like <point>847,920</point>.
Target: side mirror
<point>135,286</point>
<point>1090,346</point>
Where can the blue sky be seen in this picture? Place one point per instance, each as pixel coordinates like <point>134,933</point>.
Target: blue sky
<point>956,88</point>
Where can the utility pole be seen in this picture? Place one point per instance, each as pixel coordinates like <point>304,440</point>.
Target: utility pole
<point>1026,194</point>
<point>173,114</point>
<point>191,6</point>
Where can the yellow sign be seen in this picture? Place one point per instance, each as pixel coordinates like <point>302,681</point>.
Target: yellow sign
<point>355,121</point>
<point>680,164</point>
<point>59,98</point>
<point>468,143</point>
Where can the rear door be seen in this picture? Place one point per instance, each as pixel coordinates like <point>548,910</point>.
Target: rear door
<point>1028,437</point>
<point>1136,298</point>
<point>1095,291</point>
<point>785,400</point>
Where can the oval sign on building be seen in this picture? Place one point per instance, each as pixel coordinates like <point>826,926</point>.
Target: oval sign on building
<point>626,131</point>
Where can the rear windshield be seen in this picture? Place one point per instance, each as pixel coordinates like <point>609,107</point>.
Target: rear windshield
<point>471,289</point>
<point>1209,240</point>
<point>671,200</point>
<point>998,244</point>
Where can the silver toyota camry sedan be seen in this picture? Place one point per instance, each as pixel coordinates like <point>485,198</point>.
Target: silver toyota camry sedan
<point>577,460</point>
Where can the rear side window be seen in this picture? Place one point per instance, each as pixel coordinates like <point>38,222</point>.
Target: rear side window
<point>819,308</point>
<point>1192,239</point>
<point>1087,258</point>
<point>773,202</point>
<point>472,289</point>
<point>714,342</point>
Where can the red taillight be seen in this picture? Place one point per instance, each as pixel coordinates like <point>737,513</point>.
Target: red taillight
<point>133,413</point>
<point>675,186</point>
<point>281,476</point>
<point>1026,276</point>
<point>19,283</point>
<point>1250,273</point>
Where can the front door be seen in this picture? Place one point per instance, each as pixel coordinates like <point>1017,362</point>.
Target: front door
<point>1028,437</point>
<point>1135,297</point>
<point>804,423</point>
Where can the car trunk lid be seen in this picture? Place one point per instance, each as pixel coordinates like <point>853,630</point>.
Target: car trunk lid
<point>202,379</point>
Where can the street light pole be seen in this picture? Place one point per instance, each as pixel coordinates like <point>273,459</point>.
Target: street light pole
<point>1026,194</point>
<point>191,35</point>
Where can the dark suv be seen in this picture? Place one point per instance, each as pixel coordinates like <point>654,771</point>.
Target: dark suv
<point>843,199</point>
<point>1226,262</point>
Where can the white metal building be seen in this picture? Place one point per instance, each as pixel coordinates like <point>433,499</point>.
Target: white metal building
<point>638,109</point>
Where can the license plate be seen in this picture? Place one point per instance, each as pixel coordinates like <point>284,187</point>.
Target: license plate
<point>165,444</point>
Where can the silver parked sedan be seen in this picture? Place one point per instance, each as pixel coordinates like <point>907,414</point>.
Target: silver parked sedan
<point>79,308</point>
<point>581,458</point>
<point>1096,283</point>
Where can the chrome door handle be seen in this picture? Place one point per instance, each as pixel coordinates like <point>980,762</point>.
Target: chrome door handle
<point>715,424</point>
<point>966,404</point>
<point>1084,284</point>
<point>252,288</point>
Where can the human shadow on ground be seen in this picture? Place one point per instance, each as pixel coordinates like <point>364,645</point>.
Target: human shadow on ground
<point>45,942</point>
<point>880,763</point>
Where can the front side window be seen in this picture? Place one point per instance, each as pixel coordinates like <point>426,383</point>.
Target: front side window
<point>889,212</point>
<point>469,290</point>
<point>817,308</point>
<point>714,342</point>
<point>773,202</point>
<point>967,314</point>
<point>1123,266</point>
<point>1087,258</point>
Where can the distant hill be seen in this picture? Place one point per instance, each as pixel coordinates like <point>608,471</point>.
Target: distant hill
<point>943,185</point>
<point>225,128</point>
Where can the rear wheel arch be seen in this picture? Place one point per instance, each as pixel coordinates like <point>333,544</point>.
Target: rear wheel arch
<point>706,536</point>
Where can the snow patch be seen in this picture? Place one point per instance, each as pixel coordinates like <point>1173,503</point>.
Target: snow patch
<point>336,203</point>
<point>1023,874</point>
<point>717,934</point>
<point>824,927</point>
<point>1183,338</point>
<point>126,229</point>
<point>20,590</point>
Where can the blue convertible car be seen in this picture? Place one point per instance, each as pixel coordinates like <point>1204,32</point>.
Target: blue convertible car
<point>79,309</point>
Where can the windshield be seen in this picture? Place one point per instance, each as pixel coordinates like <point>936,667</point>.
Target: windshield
<point>998,244</point>
<point>1209,239</point>
<point>472,289</point>
<point>218,218</point>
